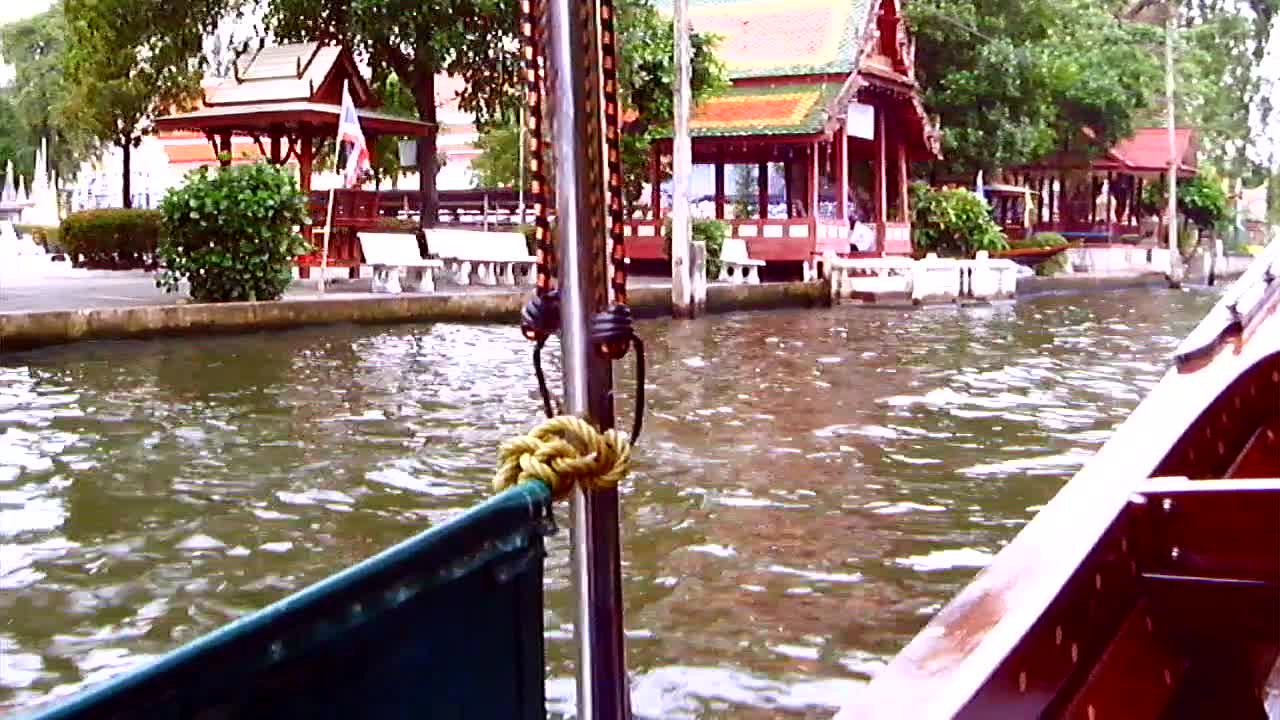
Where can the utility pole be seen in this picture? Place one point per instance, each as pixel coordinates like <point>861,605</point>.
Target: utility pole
<point>682,161</point>
<point>1175,256</point>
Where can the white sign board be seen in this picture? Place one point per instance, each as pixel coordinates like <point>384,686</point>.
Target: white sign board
<point>861,122</point>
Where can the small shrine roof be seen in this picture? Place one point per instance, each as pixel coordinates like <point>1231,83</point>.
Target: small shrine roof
<point>260,118</point>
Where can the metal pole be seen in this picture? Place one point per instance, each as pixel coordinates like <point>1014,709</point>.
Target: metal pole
<point>577,138</point>
<point>682,160</point>
<point>1175,257</point>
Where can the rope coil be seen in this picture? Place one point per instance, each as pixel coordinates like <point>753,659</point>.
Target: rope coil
<point>562,452</point>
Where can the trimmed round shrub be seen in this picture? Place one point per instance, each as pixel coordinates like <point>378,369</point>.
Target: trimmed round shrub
<point>233,233</point>
<point>112,238</point>
<point>952,223</point>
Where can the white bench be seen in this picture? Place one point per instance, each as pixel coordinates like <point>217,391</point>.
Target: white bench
<point>735,266</point>
<point>391,253</point>
<point>494,256</point>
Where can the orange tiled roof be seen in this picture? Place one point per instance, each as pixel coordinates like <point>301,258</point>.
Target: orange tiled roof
<point>784,109</point>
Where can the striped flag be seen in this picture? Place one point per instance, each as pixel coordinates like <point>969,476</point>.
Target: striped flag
<point>351,139</point>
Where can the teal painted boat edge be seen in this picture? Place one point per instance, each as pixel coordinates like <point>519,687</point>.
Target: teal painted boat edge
<point>503,535</point>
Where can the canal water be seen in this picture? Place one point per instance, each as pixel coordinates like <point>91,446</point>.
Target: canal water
<point>812,485</point>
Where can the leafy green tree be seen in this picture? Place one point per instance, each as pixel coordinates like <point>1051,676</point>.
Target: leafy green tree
<point>1202,200</point>
<point>13,143</point>
<point>1015,80</point>
<point>498,164</point>
<point>1273,198</point>
<point>1221,89</point>
<point>124,70</point>
<point>40,99</point>
<point>646,76</point>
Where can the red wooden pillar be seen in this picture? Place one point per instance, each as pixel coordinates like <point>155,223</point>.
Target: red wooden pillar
<point>276,158</point>
<point>904,181</point>
<point>305,154</point>
<point>762,183</point>
<point>841,148</point>
<point>882,183</point>
<point>811,192</point>
<point>655,182</point>
<point>719,189</point>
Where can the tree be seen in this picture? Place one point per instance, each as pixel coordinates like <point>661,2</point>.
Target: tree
<point>40,99</point>
<point>646,77</point>
<point>13,144</point>
<point>1273,198</point>
<point>1221,88</point>
<point>125,69</point>
<point>417,41</point>
<point>1015,80</point>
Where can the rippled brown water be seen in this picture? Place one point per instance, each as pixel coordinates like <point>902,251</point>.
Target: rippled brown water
<point>812,484</point>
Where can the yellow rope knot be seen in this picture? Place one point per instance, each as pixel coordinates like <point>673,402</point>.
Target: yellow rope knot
<point>561,452</point>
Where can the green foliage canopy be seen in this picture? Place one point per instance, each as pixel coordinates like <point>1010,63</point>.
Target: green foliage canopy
<point>125,67</point>
<point>1014,80</point>
<point>1202,201</point>
<point>646,76</point>
<point>39,105</point>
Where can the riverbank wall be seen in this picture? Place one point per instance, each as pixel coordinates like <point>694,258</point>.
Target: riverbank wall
<point>27,330</point>
<point>21,331</point>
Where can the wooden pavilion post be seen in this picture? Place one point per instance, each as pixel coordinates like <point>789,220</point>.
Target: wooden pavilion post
<point>811,188</point>
<point>276,158</point>
<point>306,153</point>
<point>788,186</point>
<point>904,181</point>
<point>1109,219</point>
<point>719,189</point>
<point>762,185</point>
<point>882,184</point>
<point>841,147</point>
<point>655,182</point>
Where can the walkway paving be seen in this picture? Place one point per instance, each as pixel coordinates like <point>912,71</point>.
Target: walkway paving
<point>36,285</point>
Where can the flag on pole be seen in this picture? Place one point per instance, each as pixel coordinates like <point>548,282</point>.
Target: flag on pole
<point>351,139</point>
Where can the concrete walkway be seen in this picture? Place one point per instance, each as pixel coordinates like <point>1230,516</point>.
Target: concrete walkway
<point>37,285</point>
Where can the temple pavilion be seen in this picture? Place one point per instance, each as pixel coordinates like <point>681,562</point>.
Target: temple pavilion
<point>287,99</point>
<point>815,134</point>
<point>1092,195</point>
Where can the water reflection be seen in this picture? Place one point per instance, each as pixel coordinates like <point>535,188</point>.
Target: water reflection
<point>811,485</point>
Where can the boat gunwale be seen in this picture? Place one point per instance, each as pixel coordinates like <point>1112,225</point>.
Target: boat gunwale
<point>949,662</point>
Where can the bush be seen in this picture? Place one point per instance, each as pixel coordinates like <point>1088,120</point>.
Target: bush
<point>953,223</point>
<point>1201,201</point>
<point>712,232</point>
<point>47,236</point>
<point>1041,240</point>
<point>233,233</point>
<point>112,238</point>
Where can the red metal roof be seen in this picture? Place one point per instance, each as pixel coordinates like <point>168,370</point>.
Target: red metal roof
<point>1148,151</point>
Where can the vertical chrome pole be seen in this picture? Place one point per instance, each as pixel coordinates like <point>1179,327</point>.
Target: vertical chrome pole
<point>575,101</point>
